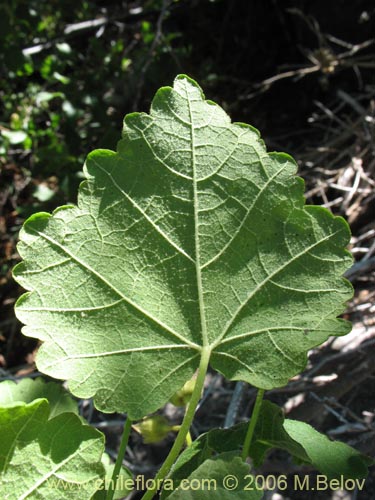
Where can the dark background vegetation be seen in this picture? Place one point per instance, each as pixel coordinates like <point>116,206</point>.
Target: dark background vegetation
<point>301,71</point>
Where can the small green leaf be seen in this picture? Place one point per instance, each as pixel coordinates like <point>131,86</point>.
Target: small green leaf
<point>223,477</point>
<point>189,239</point>
<point>27,390</point>
<point>332,458</point>
<point>53,459</point>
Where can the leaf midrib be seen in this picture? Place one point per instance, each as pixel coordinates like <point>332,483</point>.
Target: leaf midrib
<point>198,271</point>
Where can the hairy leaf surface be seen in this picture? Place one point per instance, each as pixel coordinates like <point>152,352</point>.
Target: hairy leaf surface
<point>189,237</point>
<point>53,459</point>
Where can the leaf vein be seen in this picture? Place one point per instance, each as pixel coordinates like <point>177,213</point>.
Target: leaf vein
<point>126,299</point>
<point>135,205</point>
<point>266,280</point>
<point>260,192</point>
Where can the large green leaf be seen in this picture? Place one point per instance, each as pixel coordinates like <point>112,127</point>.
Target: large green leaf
<point>50,459</point>
<point>189,235</point>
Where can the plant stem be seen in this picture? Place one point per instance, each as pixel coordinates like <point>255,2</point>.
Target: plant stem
<point>185,426</point>
<point>120,457</point>
<point>252,424</point>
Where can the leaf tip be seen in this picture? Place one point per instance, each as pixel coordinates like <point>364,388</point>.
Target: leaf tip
<point>253,129</point>
<point>37,220</point>
<point>187,81</point>
<point>31,226</point>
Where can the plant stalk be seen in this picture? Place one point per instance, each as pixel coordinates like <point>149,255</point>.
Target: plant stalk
<point>185,426</point>
<point>252,424</point>
<point>120,457</point>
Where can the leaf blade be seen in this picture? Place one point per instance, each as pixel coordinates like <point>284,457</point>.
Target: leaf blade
<point>189,236</point>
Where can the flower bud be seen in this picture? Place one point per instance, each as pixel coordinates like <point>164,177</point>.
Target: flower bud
<point>182,396</point>
<point>153,429</point>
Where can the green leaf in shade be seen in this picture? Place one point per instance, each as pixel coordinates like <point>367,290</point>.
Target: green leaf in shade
<point>305,444</point>
<point>223,477</point>
<point>269,433</point>
<point>27,390</point>
<point>189,237</point>
<point>49,459</point>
